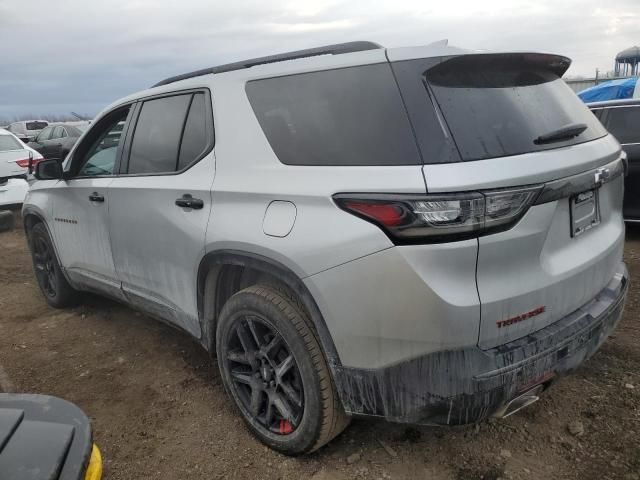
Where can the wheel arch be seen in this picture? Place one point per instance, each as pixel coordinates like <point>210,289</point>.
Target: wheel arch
<point>31,216</point>
<point>220,275</point>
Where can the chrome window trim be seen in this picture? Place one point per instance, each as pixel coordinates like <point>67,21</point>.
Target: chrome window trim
<point>593,109</point>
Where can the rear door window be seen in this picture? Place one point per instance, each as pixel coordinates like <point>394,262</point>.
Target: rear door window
<point>347,116</point>
<point>498,105</point>
<point>171,134</point>
<point>195,139</point>
<point>157,135</point>
<point>44,135</point>
<point>623,123</point>
<point>57,133</point>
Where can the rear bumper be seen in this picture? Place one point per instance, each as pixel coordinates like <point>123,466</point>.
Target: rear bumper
<point>13,192</point>
<point>467,385</point>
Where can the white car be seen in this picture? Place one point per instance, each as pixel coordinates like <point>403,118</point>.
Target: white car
<point>14,166</point>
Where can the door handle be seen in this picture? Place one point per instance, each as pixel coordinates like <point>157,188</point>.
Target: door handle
<point>187,201</point>
<point>95,197</point>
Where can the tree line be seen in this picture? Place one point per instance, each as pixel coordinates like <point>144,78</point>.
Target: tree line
<point>6,120</point>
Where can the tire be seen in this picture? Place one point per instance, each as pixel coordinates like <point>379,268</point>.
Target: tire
<point>294,412</point>
<point>52,282</point>
<point>7,220</point>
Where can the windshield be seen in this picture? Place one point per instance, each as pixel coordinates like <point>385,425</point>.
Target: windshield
<point>500,105</point>
<point>7,142</point>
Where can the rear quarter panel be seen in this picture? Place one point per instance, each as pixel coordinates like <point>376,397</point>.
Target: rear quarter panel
<point>250,176</point>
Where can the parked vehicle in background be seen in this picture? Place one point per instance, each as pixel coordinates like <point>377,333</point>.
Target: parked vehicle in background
<point>27,130</point>
<point>56,140</point>
<point>426,234</point>
<point>622,119</point>
<point>14,165</point>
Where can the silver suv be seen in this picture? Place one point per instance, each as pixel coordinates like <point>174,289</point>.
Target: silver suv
<point>428,235</point>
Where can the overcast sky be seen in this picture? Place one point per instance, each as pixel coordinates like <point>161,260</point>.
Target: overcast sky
<point>80,55</point>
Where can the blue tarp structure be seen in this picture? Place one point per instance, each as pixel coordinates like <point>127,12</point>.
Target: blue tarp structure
<point>612,90</point>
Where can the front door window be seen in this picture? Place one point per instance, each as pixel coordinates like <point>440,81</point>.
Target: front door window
<point>103,144</point>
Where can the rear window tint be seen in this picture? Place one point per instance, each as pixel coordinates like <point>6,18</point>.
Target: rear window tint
<point>7,142</point>
<point>195,139</point>
<point>36,125</point>
<point>348,116</point>
<point>497,105</point>
<point>623,123</point>
<point>157,135</point>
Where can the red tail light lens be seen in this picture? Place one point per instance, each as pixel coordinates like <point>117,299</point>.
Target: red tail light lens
<point>25,163</point>
<point>440,218</point>
<point>389,215</point>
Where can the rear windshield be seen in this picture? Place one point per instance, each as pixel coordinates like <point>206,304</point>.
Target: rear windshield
<point>7,142</point>
<point>497,105</point>
<point>348,116</point>
<point>36,125</point>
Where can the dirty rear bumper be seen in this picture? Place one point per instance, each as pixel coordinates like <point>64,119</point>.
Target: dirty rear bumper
<point>467,385</point>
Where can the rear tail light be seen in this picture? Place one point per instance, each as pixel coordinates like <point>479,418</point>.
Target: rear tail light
<point>440,218</point>
<point>25,163</point>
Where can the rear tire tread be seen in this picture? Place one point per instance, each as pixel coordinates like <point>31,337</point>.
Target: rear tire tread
<point>334,419</point>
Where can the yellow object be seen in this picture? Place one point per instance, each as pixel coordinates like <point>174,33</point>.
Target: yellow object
<point>94,470</point>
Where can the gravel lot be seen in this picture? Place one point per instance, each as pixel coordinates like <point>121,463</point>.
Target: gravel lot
<point>159,410</point>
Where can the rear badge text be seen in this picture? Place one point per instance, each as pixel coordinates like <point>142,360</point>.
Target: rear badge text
<point>521,317</point>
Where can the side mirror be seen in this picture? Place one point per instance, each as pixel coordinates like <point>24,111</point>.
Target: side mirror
<point>49,170</point>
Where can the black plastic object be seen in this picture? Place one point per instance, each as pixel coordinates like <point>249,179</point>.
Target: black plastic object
<point>42,438</point>
<point>188,201</point>
<point>7,221</point>
<point>337,49</point>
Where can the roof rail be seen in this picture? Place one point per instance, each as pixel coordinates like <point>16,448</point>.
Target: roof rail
<point>336,49</point>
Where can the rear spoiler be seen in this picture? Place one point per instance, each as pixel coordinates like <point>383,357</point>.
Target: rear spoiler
<point>485,68</point>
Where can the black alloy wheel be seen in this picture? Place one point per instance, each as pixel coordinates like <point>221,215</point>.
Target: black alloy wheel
<point>264,375</point>
<point>274,369</point>
<point>45,268</point>
<point>56,289</point>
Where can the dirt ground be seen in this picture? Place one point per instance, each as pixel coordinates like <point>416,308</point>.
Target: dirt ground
<point>159,410</point>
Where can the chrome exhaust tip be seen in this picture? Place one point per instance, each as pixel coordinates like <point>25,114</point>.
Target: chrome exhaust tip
<point>521,401</point>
